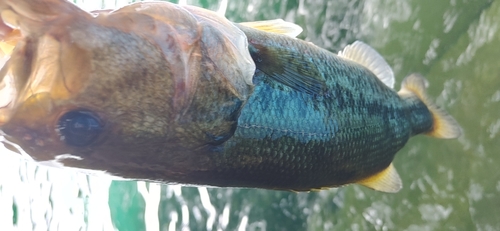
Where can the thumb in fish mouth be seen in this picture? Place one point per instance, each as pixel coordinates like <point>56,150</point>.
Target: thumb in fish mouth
<point>8,90</point>
<point>8,39</point>
<point>7,94</point>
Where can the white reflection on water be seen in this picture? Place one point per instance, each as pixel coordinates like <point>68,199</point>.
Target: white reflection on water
<point>209,208</point>
<point>450,16</point>
<point>34,197</point>
<point>173,221</point>
<point>431,53</point>
<point>480,34</point>
<point>243,223</point>
<point>494,128</point>
<point>224,218</point>
<point>151,197</point>
<point>394,11</point>
<point>476,192</point>
<point>434,212</point>
<point>185,216</point>
<point>89,5</point>
<point>379,215</point>
<point>176,191</point>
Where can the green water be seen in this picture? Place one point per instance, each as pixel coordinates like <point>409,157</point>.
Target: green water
<point>448,184</point>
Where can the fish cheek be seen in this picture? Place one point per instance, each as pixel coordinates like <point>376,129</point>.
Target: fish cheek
<point>74,69</point>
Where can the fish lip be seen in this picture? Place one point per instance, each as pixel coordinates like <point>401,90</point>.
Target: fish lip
<point>11,141</point>
<point>26,142</point>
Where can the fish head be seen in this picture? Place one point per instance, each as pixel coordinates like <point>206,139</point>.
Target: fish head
<point>121,91</point>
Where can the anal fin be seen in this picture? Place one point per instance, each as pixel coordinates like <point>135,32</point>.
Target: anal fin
<point>387,180</point>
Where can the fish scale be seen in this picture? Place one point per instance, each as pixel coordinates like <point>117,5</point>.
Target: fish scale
<point>337,155</point>
<point>342,140</point>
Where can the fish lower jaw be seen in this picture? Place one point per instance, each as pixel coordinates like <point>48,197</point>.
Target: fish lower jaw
<point>58,163</point>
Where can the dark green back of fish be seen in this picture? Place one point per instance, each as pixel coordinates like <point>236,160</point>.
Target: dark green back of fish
<point>339,126</point>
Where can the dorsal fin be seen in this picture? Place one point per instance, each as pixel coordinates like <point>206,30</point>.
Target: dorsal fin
<point>276,26</point>
<point>365,55</point>
<point>387,180</point>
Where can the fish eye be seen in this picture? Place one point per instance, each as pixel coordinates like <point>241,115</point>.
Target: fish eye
<point>79,128</point>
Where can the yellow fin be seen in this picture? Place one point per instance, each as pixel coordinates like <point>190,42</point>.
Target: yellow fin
<point>365,55</point>
<point>444,126</point>
<point>319,189</point>
<point>385,181</point>
<point>276,26</point>
<point>9,41</point>
<point>5,49</point>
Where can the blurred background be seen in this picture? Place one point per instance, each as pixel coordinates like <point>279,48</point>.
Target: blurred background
<point>448,184</point>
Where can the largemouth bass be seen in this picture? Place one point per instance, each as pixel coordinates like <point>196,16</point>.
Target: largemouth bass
<point>179,94</point>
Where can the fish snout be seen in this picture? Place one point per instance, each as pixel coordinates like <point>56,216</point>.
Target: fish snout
<point>28,140</point>
<point>44,135</point>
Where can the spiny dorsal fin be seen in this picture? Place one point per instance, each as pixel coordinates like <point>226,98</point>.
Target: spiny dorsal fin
<point>365,55</point>
<point>387,180</point>
<point>444,126</point>
<point>276,26</point>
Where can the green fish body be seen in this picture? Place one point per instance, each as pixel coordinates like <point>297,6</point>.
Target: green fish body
<point>179,94</point>
<point>337,123</point>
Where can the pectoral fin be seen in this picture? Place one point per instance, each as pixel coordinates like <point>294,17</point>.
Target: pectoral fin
<point>387,180</point>
<point>286,66</point>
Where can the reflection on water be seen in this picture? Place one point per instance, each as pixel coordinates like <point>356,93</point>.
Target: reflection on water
<point>42,198</point>
<point>448,185</point>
